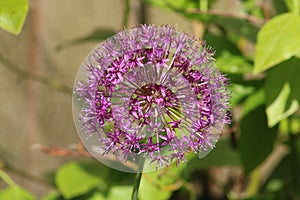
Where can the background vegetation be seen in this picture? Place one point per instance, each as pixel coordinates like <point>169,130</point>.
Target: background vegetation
<point>257,45</point>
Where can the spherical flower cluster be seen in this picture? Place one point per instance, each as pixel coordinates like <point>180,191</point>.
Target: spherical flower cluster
<point>150,93</point>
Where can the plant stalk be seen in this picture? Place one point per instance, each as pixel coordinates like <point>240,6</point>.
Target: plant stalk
<point>137,180</point>
<point>136,186</point>
<point>9,181</point>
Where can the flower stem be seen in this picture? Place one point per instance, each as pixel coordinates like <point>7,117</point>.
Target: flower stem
<point>136,186</point>
<point>7,179</point>
<point>137,180</point>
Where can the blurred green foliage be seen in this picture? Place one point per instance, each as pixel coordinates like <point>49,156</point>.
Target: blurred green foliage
<point>258,47</point>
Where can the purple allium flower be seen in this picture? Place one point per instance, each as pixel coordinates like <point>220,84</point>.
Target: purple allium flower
<point>150,93</point>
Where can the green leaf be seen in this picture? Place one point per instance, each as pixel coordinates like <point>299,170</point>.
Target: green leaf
<point>159,185</point>
<point>13,14</point>
<point>15,193</point>
<point>110,175</point>
<point>233,64</point>
<point>293,6</point>
<point>97,196</point>
<point>120,192</point>
<point>222,155</point>
<point>298,55</point>
<point>295,125</point>
<point>52,196</point>
<point>116,192</point>
<point>282,90</point>
<point>286,72</point>
<point>290,125</point>
<point>150,191</point>
<point>280,6</point>
<point>239,92</point>
<point>72,180</point>
<point>276,111</point>
<point>236,29</point>
<point>277,41</point>
<point>221,44</point>
<point>253,101</point>
<point>257,140</point>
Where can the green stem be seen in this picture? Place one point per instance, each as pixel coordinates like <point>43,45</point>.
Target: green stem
<point>7,179</point>
<point>137,180</point>
<point>136,186</point>
<point>126,13</point>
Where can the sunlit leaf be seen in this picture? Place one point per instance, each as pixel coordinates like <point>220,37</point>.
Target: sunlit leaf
<point>282,90</point>
<point>120,192</point>
<point>13,14</point>
<point>277,110</point>
<point>298,55</point>
<point>257,140</point>
<point>160,185</point>
<point>151,191</point>
<point>15,193</point>
<point>286,72</point>
<point>278,41</point>
<point>97,196</point>
<point>290,125</point>
<point>52,196</point>
<point>72,180</point>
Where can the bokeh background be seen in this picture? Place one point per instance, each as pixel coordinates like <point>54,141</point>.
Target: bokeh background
<point>258,154</point>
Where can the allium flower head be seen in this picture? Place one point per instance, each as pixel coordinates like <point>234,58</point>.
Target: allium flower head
<point>150,93</point>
